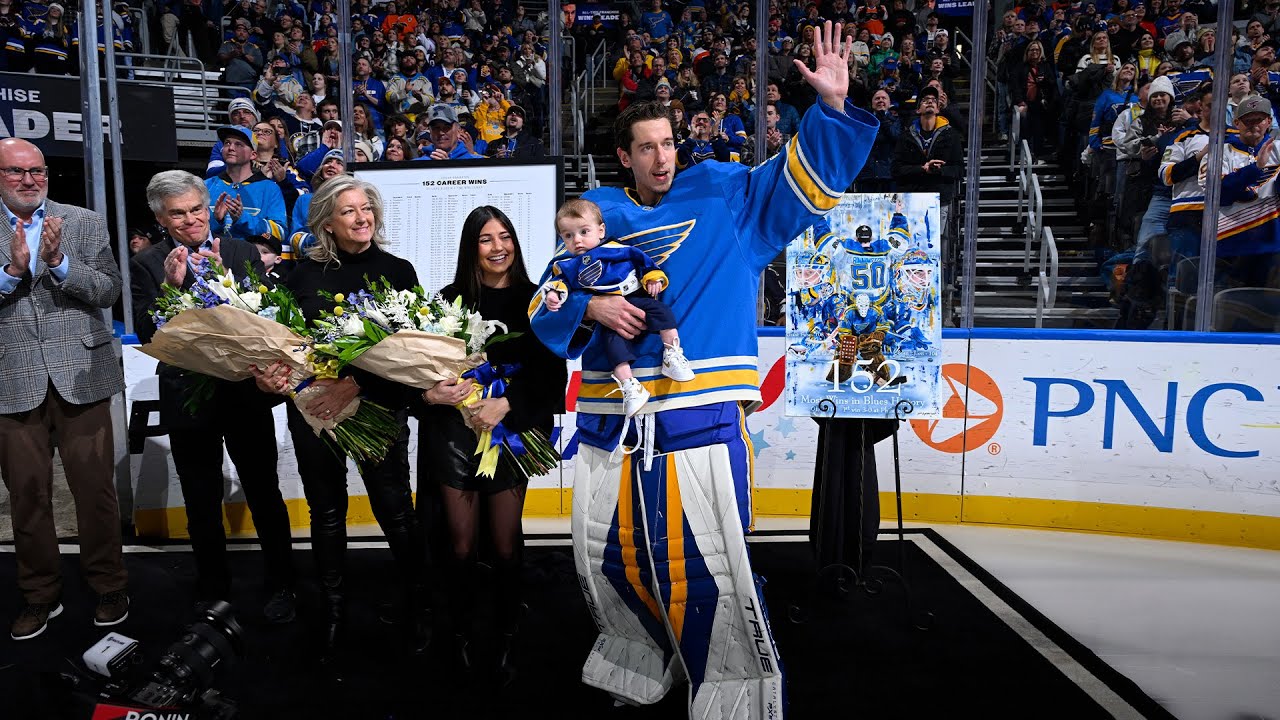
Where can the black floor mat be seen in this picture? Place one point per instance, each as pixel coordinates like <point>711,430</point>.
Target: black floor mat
<point>859,657</point>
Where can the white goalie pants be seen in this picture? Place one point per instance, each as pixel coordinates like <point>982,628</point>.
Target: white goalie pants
<point>661,557</point>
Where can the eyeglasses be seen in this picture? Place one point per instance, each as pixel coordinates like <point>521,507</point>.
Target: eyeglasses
<point>39,174</point>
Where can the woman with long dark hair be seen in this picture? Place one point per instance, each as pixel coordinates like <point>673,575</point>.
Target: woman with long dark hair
<point>491,278</point>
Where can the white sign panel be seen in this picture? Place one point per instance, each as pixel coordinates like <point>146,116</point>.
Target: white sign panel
<point>1176,425</point>
<point>424,207</point>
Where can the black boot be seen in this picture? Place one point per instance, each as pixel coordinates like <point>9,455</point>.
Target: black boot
<point>333,630</point>
<point>507,587</point>
<point>329,543</point>
<point>418,609</point>
<point>407,547</point>
<point>462,651</point>
<point>462,594</point>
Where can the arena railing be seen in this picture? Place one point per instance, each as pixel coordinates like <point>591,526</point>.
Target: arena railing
<point>595,76</point>
<point>1030,222</point>
<point>199,106</point>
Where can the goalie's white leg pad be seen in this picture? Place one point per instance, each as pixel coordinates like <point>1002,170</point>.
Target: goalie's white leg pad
<point>662,561</point>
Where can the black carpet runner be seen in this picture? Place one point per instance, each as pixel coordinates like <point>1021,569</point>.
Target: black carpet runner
<point>856,657</point>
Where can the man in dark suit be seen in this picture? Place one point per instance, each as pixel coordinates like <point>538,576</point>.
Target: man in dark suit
<point>58,371</point>
<point>237,414</point>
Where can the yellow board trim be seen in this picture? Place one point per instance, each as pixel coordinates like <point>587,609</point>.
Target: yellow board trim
<point>663,386</point>
<point>675,551</point>
<point>1203,526</point>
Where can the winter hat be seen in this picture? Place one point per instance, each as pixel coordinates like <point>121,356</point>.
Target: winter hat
<point>1161,84</point>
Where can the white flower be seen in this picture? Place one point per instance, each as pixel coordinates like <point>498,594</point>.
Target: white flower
<point>480,331</point>
<point>450,325</point>
<point>375,314</point>
<point>187,301</point>
<point>224,286</point>
<point>453,309</point>
<point>406,298</point>
<point>250,301</point>
<point>352,325</point>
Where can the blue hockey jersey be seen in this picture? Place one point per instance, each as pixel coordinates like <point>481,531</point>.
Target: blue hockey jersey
<point>608,269</point>
<point>713,234</point>
<point>264,210</point>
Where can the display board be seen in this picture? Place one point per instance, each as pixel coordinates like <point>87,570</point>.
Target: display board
<point>864,311</point>
<point>425,204</point>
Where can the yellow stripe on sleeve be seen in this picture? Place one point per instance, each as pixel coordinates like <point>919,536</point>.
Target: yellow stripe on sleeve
<point>805,184</point>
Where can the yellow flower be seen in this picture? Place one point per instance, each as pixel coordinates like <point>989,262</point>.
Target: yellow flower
<point>226,282</point>
<point>424,311</point>
<point>339,298</point>
<point>338,311</point>
<point>262,289</point>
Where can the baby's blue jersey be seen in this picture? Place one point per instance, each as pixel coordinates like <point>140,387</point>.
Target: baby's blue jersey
<point>713,234</point>
<point>608,269</point>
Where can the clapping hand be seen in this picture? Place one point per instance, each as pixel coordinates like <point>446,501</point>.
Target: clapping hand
<point>214,253</point>
<point>1264,154</point>
<point>175,267</point>
<point>830,74</point>
<point>19,254</point>
<point>51,241</point>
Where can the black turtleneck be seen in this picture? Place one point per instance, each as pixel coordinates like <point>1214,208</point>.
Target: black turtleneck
<point>348,275</point>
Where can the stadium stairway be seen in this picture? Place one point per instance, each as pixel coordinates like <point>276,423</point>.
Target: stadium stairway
<point>1004,293</point>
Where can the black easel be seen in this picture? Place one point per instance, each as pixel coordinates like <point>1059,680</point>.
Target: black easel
<point>865,582</point>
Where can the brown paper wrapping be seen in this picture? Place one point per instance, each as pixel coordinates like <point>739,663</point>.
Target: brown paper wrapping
<point>418,359</point>
<point>224,341</point>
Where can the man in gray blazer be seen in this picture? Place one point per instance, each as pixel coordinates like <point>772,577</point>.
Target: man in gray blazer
<point>58,371</point>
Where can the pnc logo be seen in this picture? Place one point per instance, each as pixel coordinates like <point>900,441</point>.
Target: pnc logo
<point>975,396</point>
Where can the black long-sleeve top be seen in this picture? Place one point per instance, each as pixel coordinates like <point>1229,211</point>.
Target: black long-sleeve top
<point>347,276</point>
<point>536,391</point>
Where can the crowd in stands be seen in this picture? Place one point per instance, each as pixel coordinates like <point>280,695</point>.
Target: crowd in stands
<point>1121,92</point>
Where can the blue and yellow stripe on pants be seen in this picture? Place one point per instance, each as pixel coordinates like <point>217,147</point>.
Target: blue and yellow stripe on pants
<point>653,559</point>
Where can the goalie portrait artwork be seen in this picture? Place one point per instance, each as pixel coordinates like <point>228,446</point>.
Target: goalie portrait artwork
<point>864,313</point>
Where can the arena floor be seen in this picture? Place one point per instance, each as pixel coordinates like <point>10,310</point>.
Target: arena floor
<point>1193,625</point>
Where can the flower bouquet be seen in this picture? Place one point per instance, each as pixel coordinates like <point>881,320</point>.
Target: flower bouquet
<point>219,327</point>
<point>417,339</point>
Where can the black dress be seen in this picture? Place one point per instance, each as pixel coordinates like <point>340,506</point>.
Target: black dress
<point>535,392</point>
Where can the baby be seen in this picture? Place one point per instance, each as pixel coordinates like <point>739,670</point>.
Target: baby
<point>609,268</point>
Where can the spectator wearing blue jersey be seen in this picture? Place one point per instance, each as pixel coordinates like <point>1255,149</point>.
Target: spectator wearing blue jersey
<point>657,22</point>
<point>243,114</point>
<point>446,136</point>
<point>245,204</point>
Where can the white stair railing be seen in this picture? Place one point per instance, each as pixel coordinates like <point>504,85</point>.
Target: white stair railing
<point>1030,220</point>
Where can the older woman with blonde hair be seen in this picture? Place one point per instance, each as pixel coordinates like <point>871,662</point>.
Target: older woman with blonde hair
<point>346,218</point>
